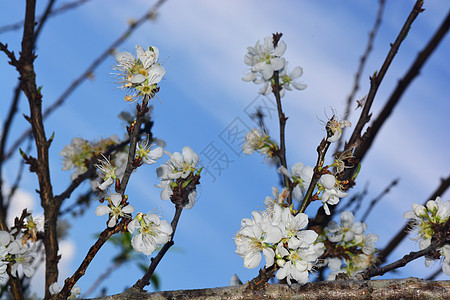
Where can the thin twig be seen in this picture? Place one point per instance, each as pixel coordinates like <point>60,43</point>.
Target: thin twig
<point>54,12</point>
<point>321,219</point>
<point>379,197</point>
<point>180,199</point>
<point>402,85</point>
<point>104,236</point>
<point>6,129</point>
<point>318,172</point>
<point>361,66</point>
<point>379,271</point>
<point>145,280</point>
<point>377,77</point>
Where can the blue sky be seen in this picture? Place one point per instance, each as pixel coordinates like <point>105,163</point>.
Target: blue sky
<point>202,46</point>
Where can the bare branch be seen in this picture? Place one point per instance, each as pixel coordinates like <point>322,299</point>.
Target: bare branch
<point>104,236</point>
<point>379,197</point>
<point>52,13</point>
<point>361,66</point>
<point>410,288</point>
<point>377,77</point>
<point>402,85</point>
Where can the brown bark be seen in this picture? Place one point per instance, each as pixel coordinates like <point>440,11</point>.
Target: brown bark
<point>409,288</point>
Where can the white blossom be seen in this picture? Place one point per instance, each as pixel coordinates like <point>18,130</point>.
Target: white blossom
<point>253,141</point>
<point>356,247</point>
<point>140,75</point>
<point>115,209</point>
<point>257,235</point>
<point>23,259</point>
<point>301,176</point>
<point>109,172</point>
<point>426,220</point>
<point>265,59</point>
<point>151,231</point>
<point>295,264</point>
<point>331,192</point>
<point>180,165</point>
<point>149,156</point>
<point>335,126</point>
<point>278,198</point>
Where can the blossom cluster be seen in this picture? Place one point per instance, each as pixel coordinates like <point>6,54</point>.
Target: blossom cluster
<point>266,58</point>
<point>348,249</point>
<point>150,232</point>
<point>281,237</point>
<point>148,229</point>
<point>110,172</point>
<point>18,248</point>
<point>179,169</point>
<point>429,221</point>
<point>258,141</point>
<point>331,191</point>
<point>328,188</point>
<point>81,152</point>
<point>139,75</point>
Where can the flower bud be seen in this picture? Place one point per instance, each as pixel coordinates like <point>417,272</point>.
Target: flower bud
<point>419,210</point>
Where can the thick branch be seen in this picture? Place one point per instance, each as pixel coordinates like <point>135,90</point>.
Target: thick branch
<point>28,78</point>
<point>410,288</point>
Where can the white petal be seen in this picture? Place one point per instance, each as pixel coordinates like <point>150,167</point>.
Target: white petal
<point>252,260</point>
<point>116,198</point>
<point>102,210</point>
<point>156,153</point>
<point>250,76</point>
<point>133,225</point>
<point>328,181</point>
<point>269,255</point>
<point>296,73</point>
<point>112,222</point>
<point>280,49</point>
<point>128,209</point>
<point>28,270</point>
<point>106,184</point>
<point>138,78</point>
<point>54,288</point>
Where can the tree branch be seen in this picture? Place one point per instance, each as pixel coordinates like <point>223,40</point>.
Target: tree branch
<point>376,79</point>
<point>409,288</point>
<point>362,63</point>
<point>104,236</point>
<point>402,85</point>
